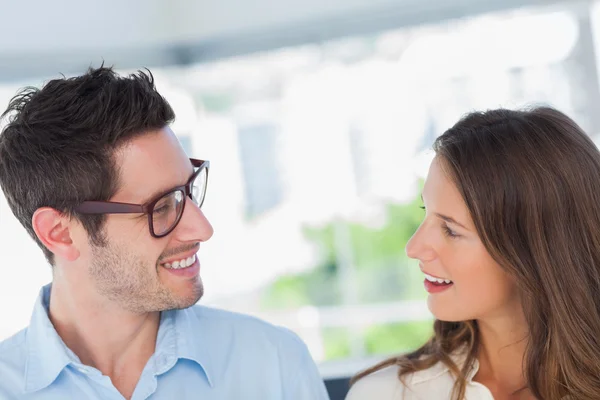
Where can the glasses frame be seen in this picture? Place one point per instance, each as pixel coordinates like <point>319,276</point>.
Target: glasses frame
<point>113,207</point>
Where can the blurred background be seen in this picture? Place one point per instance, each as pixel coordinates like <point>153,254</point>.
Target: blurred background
<point>318,118</point>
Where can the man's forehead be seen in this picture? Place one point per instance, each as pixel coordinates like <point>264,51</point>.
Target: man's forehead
<point>152,163</point>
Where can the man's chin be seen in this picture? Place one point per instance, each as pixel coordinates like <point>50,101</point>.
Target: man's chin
<point>188,299</point>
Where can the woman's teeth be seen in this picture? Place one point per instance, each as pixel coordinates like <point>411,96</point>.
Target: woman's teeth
<point>186,262</point>
<point>437,280</point>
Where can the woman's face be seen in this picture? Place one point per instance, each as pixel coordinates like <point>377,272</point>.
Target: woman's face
<point>449,249</point>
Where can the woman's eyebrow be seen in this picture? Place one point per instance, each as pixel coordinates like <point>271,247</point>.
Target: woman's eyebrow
<point>450,219</point>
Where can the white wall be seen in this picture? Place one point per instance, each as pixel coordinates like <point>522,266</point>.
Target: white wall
<point>44,38</point>
<point>46,26</point>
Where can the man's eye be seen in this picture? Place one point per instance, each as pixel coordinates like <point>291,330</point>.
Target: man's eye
<point>162,209</point>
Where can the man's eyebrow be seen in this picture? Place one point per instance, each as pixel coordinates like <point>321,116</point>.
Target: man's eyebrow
<point>158,192</point>
<point>154,195</point>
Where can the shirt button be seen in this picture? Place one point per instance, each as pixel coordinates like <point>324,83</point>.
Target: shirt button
<point>83,370</point>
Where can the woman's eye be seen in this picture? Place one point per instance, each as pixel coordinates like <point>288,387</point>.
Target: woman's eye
<point>449,232</point>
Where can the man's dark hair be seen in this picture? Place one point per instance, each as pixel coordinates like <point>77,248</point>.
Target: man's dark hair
<point>57,148</point>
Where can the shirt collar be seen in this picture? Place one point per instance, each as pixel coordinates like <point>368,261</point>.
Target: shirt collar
<point>459,358</point>
<point>180,335</point>
<point>47,354</point>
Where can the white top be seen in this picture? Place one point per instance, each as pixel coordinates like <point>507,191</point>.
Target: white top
<point>434,383</point>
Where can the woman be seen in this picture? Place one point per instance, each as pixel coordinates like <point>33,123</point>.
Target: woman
<point>510,249</point>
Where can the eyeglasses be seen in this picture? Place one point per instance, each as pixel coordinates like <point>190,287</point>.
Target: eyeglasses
<point>165,210</point>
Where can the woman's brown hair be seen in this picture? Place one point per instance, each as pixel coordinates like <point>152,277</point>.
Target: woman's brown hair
<point>531,182</point>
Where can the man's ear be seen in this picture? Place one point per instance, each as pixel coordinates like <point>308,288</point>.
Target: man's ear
<point>53,230</point>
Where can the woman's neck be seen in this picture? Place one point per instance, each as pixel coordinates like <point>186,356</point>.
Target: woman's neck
<point>503,341</point>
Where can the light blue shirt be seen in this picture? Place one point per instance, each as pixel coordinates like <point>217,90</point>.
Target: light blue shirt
<point>201,353</point>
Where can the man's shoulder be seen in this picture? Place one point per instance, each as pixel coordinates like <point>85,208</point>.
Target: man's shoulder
<point>267,355</point>
<point>13,361</point>
<point>222,321</point>
<point>13,347</point>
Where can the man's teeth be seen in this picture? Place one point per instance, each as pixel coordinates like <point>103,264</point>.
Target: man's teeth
<point>437,280</point>
<point>186,262</point>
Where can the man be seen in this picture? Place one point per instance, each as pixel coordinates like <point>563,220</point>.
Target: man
<point>92,171</point>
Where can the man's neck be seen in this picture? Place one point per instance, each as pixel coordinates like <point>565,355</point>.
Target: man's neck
<point>114,341</point>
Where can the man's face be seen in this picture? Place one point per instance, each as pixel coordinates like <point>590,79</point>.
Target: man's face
<point>132,268</point>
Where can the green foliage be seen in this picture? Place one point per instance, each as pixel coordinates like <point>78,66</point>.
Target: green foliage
<point>382,339</point>
<point>381,273</point>
<point>374,248</point>
<point>381,268</point>
<point>315,287</point>
<point>390,338</point>
<point>336,343</point>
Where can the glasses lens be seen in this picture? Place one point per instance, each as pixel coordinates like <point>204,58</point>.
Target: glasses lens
<point>199,187</point>
<point>167,211</point>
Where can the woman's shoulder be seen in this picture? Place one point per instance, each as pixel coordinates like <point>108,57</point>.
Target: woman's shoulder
<point>386,384</point>
<point>381,384</point>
